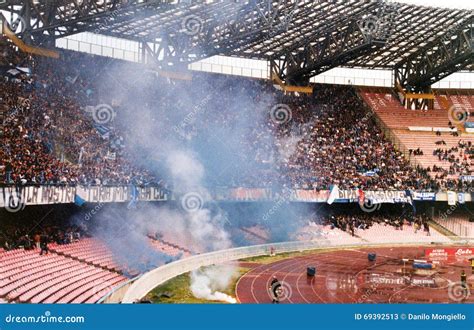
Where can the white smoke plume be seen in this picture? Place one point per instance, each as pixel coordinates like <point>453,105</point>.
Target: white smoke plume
<point>208,283</point>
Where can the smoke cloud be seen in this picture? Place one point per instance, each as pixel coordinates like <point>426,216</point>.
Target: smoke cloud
<point>174,130</point>
<point>208,283</point>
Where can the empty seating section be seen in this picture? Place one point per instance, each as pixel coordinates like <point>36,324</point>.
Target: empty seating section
<point>376,233</point>
<point>457,225</point>
<point>465,102</point>
<point>380,233</point>
<point>170,249</point>
<point>88,250</point>
<point>25,276</point>
<point>181,242</point>
<point>327,234</point>
<point>81,272</point>
<point>395,116</point>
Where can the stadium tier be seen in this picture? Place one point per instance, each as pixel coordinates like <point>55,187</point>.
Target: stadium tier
<point>76,150</point>
<point>435,139</point>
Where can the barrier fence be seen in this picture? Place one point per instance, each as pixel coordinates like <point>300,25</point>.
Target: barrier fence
<point>141,286</point>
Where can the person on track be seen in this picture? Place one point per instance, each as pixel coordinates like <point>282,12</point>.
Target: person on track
<point>275,288</point>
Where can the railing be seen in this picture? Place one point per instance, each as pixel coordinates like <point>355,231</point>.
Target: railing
<point>22,196</point>
<point>147,282</point>
<point>460,227</point>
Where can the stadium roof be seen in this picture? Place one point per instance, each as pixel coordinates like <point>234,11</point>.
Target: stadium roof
<point>324,33</point>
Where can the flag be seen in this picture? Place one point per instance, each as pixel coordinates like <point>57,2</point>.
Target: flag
<point>361,197</point>
<point>104,131</point>
<point>72,79</point>
<point>333,195</point>
<point>133,198</point>
<point>78,200</point>
<point>370,173</point>
<point>410,201</point>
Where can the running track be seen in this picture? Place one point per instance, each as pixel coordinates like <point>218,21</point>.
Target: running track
<point>342,277</point>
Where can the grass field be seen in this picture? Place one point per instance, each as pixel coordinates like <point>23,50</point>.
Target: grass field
<point>269,259</point>
<point>177,291</point>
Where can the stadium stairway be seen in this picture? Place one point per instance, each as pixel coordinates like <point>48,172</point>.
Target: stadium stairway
<point>459,226</point>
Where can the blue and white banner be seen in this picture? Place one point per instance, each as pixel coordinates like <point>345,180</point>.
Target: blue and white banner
<point>424,196</point>
<point>467,178</point>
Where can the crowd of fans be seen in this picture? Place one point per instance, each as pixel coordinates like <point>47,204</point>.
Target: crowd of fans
<point>17,236</point>
<point>325,139</point>
<point>48,137</point>
<point>342,145</point>
<point>352,221</point>
<point>459,157</point>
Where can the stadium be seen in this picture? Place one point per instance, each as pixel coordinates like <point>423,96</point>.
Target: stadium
<point>251,152</point>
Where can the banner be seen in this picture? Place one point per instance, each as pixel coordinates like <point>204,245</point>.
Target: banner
<point>452,198</point>
<point>40,195</point>
<point>120,194</point>
<point>245,194</point>
<point>467,178</point>
<point>424,196</point>
<point>444,253</point>
<point>44,195</point>
<point>311,196</point>
<point>376,197</point>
